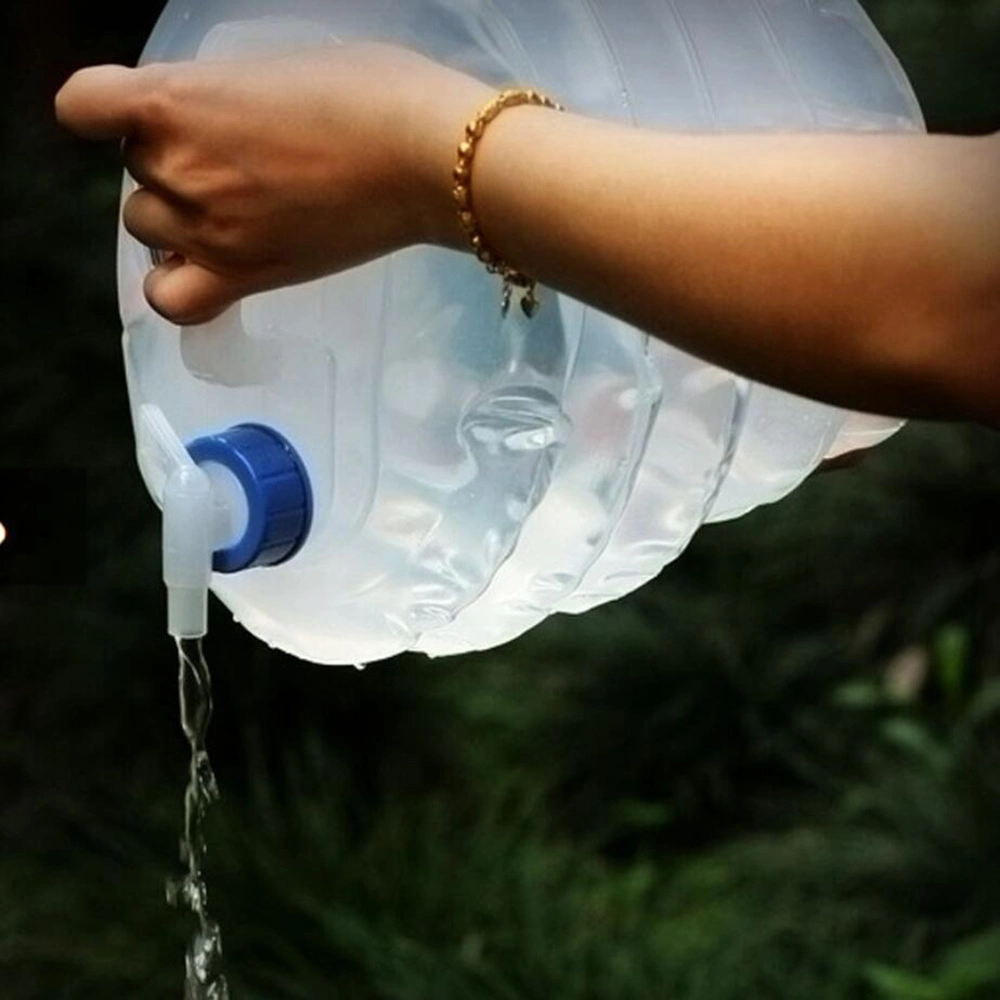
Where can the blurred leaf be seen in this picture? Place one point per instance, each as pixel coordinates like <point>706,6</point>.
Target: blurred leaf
<point>951,662</point>
<point>859,695</point>
<point>965,972</point>
<point>894,984</point>
<point>985,704</point>
<point>971,965</point>
<point>915,739</point>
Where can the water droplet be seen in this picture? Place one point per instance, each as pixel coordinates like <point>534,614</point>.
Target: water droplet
<point>516,508</point>
<point>628,399</point>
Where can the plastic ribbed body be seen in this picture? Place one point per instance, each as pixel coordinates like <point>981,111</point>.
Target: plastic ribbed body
<point>472,474</point>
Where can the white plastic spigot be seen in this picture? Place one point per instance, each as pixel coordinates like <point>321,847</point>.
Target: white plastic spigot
<point>188,518</point>
<point>194,519</point>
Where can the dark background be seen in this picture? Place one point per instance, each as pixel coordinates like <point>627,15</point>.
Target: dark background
<point>44,514</point>
<point>774,773</point>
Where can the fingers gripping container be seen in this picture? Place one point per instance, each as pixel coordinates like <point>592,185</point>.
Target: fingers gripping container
<point>443,478</point>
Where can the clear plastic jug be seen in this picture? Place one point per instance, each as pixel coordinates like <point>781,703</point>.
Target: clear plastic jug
<point>396,466</point>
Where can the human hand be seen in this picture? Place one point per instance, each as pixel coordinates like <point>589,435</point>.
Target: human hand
<point>259,174</point>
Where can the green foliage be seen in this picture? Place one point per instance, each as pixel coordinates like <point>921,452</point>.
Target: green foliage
<point>969,970</point>
<point>948,48</point>
<point>425,901</point>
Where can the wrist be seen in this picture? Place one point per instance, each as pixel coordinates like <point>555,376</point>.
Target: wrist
<point>436,127</point>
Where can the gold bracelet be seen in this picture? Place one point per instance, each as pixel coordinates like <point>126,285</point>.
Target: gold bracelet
<point>495,264</point>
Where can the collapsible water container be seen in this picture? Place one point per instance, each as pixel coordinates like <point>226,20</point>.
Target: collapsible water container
<point>396,466</point>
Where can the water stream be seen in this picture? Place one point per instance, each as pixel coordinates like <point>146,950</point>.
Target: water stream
<point>204,977</point>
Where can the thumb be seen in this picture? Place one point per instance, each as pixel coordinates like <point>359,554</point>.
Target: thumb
<point>189,294</point>
<point>103,102</point>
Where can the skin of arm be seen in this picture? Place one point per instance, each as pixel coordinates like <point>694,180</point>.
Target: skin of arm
<point>862,270</point>
<point>857,269</point>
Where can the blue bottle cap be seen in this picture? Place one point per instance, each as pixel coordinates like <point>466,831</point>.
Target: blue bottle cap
<point>278,494</point>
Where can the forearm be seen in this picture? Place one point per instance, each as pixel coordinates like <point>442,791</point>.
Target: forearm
<point>861,270</point>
